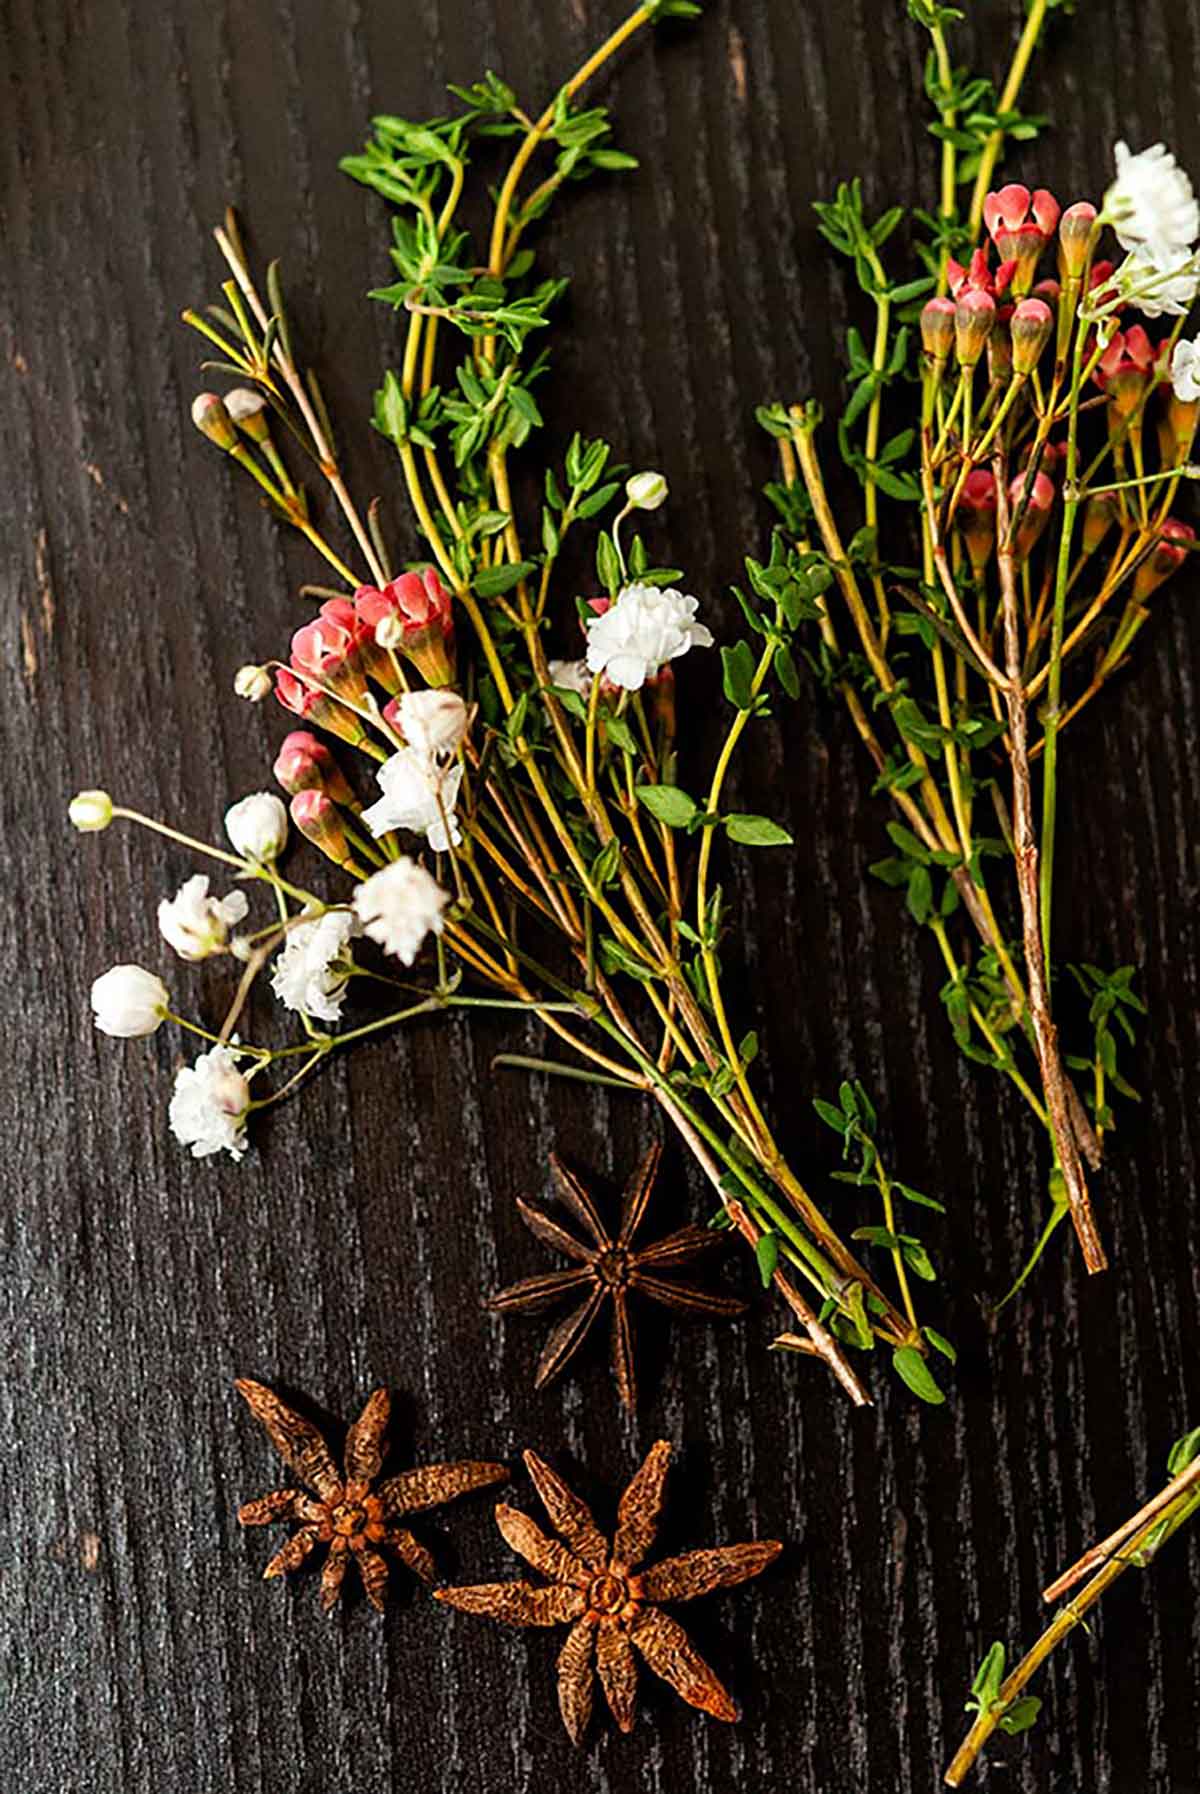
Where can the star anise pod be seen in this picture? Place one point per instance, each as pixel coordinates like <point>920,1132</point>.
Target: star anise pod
<point>352,1512</point>
<point>609,1270</point>
<point>610,1604</point>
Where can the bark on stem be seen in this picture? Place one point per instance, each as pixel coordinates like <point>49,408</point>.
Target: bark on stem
<point>1026,850</point>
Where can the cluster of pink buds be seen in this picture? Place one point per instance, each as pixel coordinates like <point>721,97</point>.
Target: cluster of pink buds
<point>413,616</point>
<point>316,784</point>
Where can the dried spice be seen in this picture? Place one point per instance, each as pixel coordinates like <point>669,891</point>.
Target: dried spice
<point>609,1603</point>
<point>352,1512</point>
<point>611,1270</point>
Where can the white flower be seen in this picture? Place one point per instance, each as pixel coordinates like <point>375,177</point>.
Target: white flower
<point>418,796</point>
<point>257,825</point>
<point>311,973</point>
<point>646,491</point>
<point>129,1002</point>
<point>208,1109</point>
<point>638,634</point>
<point>196,924</point>
<point>399,906</point>
<point>432,722</point>
<point>253,683</point>
<point>1159,284</point>
<point>571,675</point>
<point>1151,201</point>
<point>1185,371</point>
<point>89,811</point>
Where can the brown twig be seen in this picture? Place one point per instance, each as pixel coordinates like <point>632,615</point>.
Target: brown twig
<point>1187,1479</point>
<point>1026,853</point>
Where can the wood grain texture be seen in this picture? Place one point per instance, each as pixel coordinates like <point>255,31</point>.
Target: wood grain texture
<point>140,1649</point>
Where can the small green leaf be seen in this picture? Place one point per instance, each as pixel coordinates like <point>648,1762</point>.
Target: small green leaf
<point>767,1253</point>
<point>668,803</point>
<point>912,1369</point>
<point>1021,1715</point>
<point>756,831</point>
<point>738,669</point>
<point>492,582</point>
<point>941,1344</point>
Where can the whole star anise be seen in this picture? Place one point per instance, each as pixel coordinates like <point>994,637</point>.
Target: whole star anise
<point>353,1513</point>
<point>611,1270</point>
<point>608,1602</point>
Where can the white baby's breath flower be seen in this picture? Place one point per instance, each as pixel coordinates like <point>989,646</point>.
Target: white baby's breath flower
<point>311,973</point>
<point>417,795</point>
<point>1151,201</point>
<point>399,907</point>
<point>208,1108</point>
<point>1159,284</point>
<point>1185,371</point>
<point>129,1002</point>
<point>89,811</point>
<point>638,634</point>
<point>253,683</point>
<point>257,825</point>
<point>646,491</point>
<point>194,923</point>
<point>432,722</point>
<point>570,675</point>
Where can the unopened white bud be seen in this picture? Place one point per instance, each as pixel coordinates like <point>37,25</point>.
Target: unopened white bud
<point>257,825</point>
<point>244,402</point>
<point>90,810</point>
<point>253,683</point>
<point>646,491</point>
<point>128,1002</point>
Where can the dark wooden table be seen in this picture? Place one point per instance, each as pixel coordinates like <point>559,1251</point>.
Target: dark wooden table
<point>141,1650</point>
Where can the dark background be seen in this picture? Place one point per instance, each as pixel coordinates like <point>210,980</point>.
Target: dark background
<point>141,1650</point>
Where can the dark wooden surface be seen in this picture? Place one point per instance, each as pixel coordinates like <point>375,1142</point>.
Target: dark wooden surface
<point>141,1650</point>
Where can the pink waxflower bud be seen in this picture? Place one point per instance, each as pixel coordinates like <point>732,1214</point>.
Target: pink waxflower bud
<point>315,707</point>
<point>213,420</point>
<point>1075,229</point>
<point>974,316</point>
<point>423,607</point>
<point>1177,429</point>
<point>999,348</point>
<point>316,817</point>
<point>1169,553</point>
<point>1036,513</point>
<point>1099,515</point>
<point>978,277</point>
<point>1124,372</point>
<point>1032,325</point>
<point>1020,224</point>
<point>328,651</point>
<point>304,763</point>
<point>976,517</point>
<point>937,328</point>
<point>374,662</point>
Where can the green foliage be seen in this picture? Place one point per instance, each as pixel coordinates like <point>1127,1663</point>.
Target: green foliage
<point>1017,1715</point>
<point>1111,1005</point>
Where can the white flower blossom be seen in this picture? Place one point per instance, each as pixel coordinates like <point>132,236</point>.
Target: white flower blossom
<point>208,1108</point>
<point>1185,371</point>
<point>432,722</point>
<point>129,1002</point>
<point>1159,285</point>
<point>646,491</point>
<point>89,811</point>
<point>399,907</point>
<point>257,825</point>
<point>1151,201</point>
<point>571,675</point>
<point>638,634</point>
<point>418,796</point>
<point>196,924</point>
<point>311,973</point>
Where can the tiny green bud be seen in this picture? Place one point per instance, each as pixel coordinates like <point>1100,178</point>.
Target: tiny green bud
<point>646,491</point>
<point>252,683</point>
<point>213,420</point>
<point>90,811</point>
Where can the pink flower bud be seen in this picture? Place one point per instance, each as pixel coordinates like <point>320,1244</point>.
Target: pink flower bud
<point>304,763</point>
<point>1036,513</point>
<point>974,316</point>
<point>316,817</point>
<point>1020,224</point>
<point>1099,515</point>
<point>315,707</point>
<point>1169,553</point>
<point>1177,429</point>
<point>937,328</point>
<point>423,607</point>
<point>213,420</point>
<point>327,650</point>
<point>978,277</point>
<point>1075,229</point>
<point>976,517</point>
<point>1032,325</point>
<point>1124,372</point>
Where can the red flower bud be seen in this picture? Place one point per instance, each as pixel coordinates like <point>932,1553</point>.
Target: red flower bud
<point>1168,554</point>
<point>304,763</point>
<point>316,817</point>
<point>977,517</point>
<point>1032,324</point>
<point>327,650</point>
<point>1020,224</point>
<point>1124,372</point>
<point>423,607</point>
<point>1075,229</point>
<point>978,277</point>
<point>315,707</point>
<point>974,316</point>
<point>1036,513</point>
<point>937,328</point>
